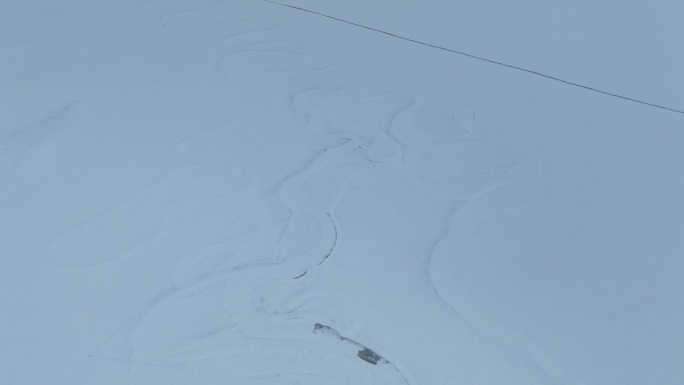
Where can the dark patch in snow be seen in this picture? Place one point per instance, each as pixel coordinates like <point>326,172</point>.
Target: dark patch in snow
<point>364,353</point>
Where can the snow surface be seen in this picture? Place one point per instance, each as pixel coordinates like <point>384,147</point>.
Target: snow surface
<point>237,192</point>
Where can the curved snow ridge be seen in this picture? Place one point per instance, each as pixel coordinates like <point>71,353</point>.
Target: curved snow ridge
<point>255,286</point>
<point>488,164</point>
<point>285,235</point>
<point>182,13</point>
<point>17,142</point>
<point>449,160</point>
<point>521,346</point>
<point>198,183</point>
<point>508,176</point>
<point>247,56</point>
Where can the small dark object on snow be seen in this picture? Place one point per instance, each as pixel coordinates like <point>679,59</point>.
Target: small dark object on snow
<point>364,353</point>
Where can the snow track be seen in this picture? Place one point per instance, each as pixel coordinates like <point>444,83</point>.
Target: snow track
<point>254,196</point>
<point>253,291</point>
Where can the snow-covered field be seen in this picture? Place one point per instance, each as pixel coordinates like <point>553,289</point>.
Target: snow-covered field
<point>239,192</point>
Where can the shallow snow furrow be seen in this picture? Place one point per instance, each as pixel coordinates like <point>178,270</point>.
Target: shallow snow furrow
<point>16,144</point>
<point>252,284</point>
<point>299,236</point>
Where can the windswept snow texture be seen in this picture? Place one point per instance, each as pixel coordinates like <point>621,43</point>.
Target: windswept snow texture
<point>237,192</point>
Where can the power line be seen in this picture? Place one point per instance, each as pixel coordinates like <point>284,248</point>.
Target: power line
<point>479,58</point>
